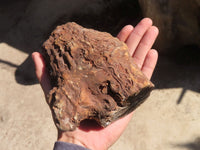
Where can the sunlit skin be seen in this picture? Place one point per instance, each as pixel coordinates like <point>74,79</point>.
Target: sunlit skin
<point>139,39</point>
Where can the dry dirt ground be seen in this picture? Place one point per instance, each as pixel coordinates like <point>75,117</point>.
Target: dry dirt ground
<point>168,120</point>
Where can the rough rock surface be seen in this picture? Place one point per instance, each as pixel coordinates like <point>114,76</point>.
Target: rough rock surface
<point>93,77</point>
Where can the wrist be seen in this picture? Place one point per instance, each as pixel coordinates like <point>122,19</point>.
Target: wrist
<point>69,137</point>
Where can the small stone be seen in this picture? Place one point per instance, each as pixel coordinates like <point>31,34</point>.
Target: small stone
<point>1,118</point>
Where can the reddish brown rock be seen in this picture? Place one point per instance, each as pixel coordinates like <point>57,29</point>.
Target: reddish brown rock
<point>93,77</point>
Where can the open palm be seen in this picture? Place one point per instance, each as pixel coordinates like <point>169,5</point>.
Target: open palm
<point>139,40</point>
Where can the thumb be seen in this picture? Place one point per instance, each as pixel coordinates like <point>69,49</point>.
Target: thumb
<point>41,72</point>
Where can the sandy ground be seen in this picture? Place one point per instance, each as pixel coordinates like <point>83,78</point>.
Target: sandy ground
<point>168,120</point>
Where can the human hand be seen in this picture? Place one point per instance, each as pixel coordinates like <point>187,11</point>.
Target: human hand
<point>90,135</point>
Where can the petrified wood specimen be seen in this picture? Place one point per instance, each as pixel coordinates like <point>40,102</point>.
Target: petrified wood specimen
<point>93,77</point>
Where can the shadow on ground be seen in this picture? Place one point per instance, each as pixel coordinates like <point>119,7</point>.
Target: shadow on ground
<point>195,145</point>
<point>179,70</point>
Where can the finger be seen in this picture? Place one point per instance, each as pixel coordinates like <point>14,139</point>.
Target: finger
<point>39,65</point>
<point>138,33</point>
<point>145,45</point>
<point>150,63</point>
<point>41,73</point>
<point>125,32</point>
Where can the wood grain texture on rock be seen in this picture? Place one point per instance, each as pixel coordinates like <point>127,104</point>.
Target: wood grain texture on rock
<point>93,77</point>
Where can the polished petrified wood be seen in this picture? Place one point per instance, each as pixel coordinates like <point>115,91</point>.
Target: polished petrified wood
<point>93,77</point>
